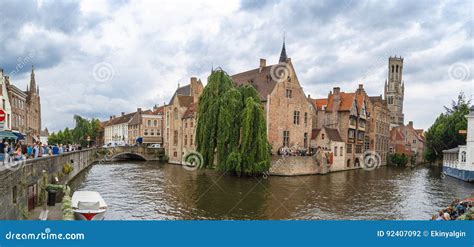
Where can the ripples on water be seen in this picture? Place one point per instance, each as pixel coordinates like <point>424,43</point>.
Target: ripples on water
<point>150,190</point>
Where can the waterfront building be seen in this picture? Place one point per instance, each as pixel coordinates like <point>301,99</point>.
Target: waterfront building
<point>348,113</point>
<point>5,102</point>
<point>179,116</point>
<point>379,127</point>
<point>330,139</point>
<point>459,162</point>
<point>116,129</point>
<point>405,139</point>
<point>288,113</point>
<point>18,108</point>
<point>147,125</point>
<point>395,90</point>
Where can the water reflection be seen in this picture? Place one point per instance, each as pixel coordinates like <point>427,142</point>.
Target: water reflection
<point>150,190</point>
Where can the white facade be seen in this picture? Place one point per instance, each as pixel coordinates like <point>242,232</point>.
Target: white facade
<point>116,132</point>
<point>5,103</point>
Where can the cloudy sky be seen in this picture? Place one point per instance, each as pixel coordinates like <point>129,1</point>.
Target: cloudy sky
<point>99,58</point>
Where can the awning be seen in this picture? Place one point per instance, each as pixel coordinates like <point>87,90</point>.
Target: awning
<point>7,135</point>
<point>19,135</point>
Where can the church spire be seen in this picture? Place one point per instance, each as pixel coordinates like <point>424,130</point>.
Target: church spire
<point>283,55</point>
<point>32,79</point>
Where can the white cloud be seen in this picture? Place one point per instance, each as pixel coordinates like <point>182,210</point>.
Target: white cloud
<point>154,45</point>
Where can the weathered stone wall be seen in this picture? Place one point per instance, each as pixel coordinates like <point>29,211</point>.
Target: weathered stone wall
<point>296,165</point>
<point>30,173</point>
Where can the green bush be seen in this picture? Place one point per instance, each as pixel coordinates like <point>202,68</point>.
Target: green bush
<point>398,159</point>
<point>67,168</point>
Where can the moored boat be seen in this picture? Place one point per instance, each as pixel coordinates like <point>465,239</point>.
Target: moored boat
<point>458,162</point>
<point>88,205</point>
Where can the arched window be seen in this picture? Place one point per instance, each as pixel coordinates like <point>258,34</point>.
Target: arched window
<point>393,69</point>
<point>463,156</point>
<point>349,163</point>
<point>175,113</point>
<point>396,69</point>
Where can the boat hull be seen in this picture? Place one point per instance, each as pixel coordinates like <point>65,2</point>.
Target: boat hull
<point>464,175</point>
<point>89,215</point>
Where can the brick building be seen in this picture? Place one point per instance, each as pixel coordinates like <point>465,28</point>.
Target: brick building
<point>180,122</point>
<point>147,125</point>
<point>379,127</point>
<point>405,139</point>
<point>287,110</point>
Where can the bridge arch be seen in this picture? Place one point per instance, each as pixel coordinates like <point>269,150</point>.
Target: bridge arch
<point>126,156</point>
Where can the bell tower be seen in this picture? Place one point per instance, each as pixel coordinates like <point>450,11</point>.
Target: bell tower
<point>395,90</point>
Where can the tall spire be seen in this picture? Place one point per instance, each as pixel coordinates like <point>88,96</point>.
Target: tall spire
<point>283,55</point>
<point>32,80</point>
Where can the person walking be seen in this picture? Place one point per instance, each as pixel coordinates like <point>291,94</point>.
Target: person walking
<point>35,151</point>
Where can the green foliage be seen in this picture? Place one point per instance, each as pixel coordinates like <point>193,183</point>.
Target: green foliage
<point>398,159</point>
<point>208,114</point>
<point>231,127</point>
<point>444,133</point>
<point>67,168</point>
<point>84,128</point>
<point>254,144</point>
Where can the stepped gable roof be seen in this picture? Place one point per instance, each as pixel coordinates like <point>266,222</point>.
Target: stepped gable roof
<point>315,133</point>
<point>260,79</point>
<point>190,112</point>
<point>333,134</point>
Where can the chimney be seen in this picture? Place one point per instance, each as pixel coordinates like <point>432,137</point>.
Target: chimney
<point>336,90</point>
<point>139,110</point>
<point>111,117</point>
<point>410,123</point>
<point>263,63</point>
<point>309,96</point>
<point>123,113</point>
<point>193,80</point>
<point>361,88</point>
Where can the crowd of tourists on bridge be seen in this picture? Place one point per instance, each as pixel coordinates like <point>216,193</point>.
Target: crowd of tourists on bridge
<point>16,151</point>
<point>457,210</point>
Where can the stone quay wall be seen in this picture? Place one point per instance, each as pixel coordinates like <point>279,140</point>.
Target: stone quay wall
<point>21,184</point>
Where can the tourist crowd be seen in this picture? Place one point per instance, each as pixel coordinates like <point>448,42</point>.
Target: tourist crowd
<point>15,151</point>
<point>456,210</point>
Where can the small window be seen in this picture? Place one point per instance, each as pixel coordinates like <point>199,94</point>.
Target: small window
<point>289,93</point>
<point>349,148</point>
<point>335,151</point>
<point>342,151</point>
<point>185,140</point>
<point>322,136</point>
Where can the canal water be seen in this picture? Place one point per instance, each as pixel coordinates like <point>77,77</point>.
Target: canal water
<point>137,190</point>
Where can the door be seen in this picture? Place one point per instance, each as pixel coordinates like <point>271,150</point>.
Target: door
<point>32,193</point>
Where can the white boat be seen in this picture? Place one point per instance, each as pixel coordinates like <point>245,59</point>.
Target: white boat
<point>88,205</point>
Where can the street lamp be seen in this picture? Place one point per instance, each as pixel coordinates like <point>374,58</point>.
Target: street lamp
<point>88,141</point>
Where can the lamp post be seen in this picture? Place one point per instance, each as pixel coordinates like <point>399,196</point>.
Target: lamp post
<point>88,141</point>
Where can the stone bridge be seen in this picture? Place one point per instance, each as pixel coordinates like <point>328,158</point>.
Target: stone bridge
<point>132,152</point>
<point>21,182</point>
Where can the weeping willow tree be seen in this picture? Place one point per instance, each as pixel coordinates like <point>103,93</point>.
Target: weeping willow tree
<point>254,148</point>
<point>231,130</point>
<point>208,114</point>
